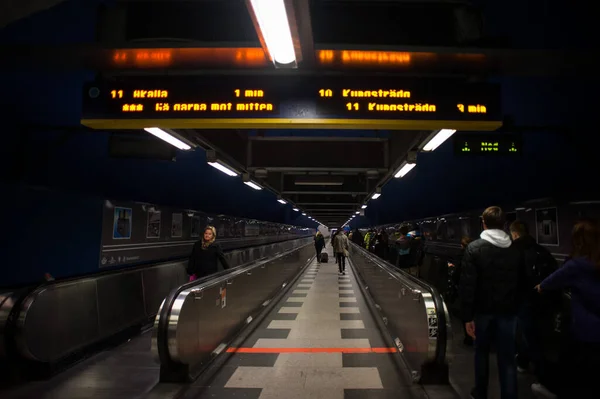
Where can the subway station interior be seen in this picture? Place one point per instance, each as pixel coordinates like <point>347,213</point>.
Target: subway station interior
<point>341,199</point>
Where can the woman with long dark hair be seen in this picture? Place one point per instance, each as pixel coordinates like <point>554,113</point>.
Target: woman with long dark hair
<point>454,269</point>
<point>206,256</point>
<point>319,245</point>
<point>581,274</point>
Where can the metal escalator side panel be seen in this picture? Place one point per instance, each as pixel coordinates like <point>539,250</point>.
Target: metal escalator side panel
<point>154,341</point>
<point>199,317</point>
<point>415,311</point>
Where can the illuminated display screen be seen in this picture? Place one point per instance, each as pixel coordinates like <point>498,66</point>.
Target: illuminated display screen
<point>296,97</point>
<point>487,144</point>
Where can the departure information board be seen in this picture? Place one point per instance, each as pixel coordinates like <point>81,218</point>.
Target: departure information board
<point>292,98</point>
<point>487,144</point>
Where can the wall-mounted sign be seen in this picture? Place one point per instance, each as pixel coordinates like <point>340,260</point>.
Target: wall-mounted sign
<point>487,144</point>
<point>273,101</point>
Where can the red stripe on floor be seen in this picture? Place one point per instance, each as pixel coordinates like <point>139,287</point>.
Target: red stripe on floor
<point>312,350</point>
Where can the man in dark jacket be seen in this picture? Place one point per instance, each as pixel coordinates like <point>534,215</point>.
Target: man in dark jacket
<point>538,264</point>
<point>489,288</point>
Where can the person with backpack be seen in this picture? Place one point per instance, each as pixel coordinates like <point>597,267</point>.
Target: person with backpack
<point>537,264</point>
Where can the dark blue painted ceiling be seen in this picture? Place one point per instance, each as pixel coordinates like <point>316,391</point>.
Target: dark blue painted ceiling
<point>554,163</point>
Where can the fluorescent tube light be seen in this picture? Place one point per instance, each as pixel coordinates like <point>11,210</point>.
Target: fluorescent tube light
<point>281,201</point>
<point>376,195</point>
<point>253,185</point>
<point>223,168</point>
<point>161,134</point>
<point>296,210</point>
<point>358,213</point>
<point>364,207</point>
<point>405,169</point>
<point>438,139</point>
<point>303,214</point>
<point>275,28</point>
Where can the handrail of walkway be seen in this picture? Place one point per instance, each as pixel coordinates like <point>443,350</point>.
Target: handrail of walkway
<point>413,311</point>
<point>56,319</point>
<point>197,321</point>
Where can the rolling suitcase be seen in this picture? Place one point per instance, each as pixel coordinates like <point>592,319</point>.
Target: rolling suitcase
<point>324,257</point>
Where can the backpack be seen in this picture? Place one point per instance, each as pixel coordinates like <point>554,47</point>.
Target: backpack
<point>543,266</point>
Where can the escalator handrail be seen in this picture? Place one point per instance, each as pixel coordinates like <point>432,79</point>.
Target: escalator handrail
<point>164,315</point>
<point>438,301</point>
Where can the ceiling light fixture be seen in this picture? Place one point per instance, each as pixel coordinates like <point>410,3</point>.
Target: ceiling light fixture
<point>403,171</point>
<point>225,169</point>
<point>275,28</point>
<point>253,185</point>
<point>169,137</point>
<point>437,138</point>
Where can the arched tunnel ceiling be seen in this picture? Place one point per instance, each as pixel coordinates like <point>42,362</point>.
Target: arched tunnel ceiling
<point>14,10</point>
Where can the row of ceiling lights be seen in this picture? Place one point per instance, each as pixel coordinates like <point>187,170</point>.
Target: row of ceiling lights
<point>431,143</point>
<point>181,143</point>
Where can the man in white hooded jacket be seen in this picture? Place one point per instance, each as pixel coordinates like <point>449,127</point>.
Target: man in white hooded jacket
<point>489,292</point>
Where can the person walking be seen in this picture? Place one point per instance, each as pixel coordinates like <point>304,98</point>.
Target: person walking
<point>319,245</point>
<point>341,246</point>
<point>489,293</point>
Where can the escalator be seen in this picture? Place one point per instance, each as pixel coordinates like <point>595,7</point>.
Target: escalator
<point>281,327</point>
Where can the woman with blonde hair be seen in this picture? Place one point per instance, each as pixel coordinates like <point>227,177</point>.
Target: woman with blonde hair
<point>206,256</point>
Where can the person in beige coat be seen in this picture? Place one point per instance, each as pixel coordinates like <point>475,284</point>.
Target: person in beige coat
<point>340,247</point>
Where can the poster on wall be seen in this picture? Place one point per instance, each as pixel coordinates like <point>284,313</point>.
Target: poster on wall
<point>546,226</point>
<point>195,228</point>
<point>177,225</point>
<point>122,223</point>
<point>153,225</point>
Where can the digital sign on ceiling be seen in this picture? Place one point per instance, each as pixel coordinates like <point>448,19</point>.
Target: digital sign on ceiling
<point>487,144</point>
<point>188,101</point>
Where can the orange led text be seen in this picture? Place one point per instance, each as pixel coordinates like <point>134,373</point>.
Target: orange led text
<point>401,107</point>
<point>472,109</point>
<point>150,94</point>
<point>376,93</point>
<point>249,93</point>
<point>213,107</point>
<point>133,107</point>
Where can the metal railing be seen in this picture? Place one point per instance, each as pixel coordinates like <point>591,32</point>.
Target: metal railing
<point>59,318</point>
<point>199,319</point>
<point>413,311</point>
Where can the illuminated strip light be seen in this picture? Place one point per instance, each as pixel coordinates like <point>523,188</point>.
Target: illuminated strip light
<point>405,169</point>
<point>376,195</point>
<point>438,139</point>
<point>303,214</point>
<point>358,213</point>
<point>223,168</point>
<point>253,185</point>
<point>161,134</point>
<point>275,28</point>
<point>296,210</point>
<point>281,201</point>
<point>364,207</point>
